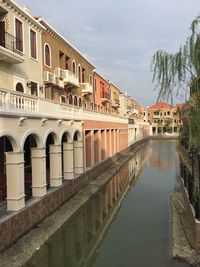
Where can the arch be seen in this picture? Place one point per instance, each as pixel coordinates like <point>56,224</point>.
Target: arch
<point>5,146</point>
<point>47,55</point>
<point>54,135</point>
<point>80,102</point>
<point>29,143</point>
<point>19,87</point>
<point>14,142</point>
<point>67,134</point>
<point>75,101</point>
<point>36,136</point>
<point>77,135</point>
<point>70,99</point>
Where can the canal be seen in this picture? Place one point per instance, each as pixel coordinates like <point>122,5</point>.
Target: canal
<point>127,223</point>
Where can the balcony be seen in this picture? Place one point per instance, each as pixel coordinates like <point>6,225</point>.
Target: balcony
<point>59,83</point>
<point>12,102</point>
<point>8,51</point>
<point>115,103</point>
<point>105,97</point>
<point>70,79</point>
<point>86,88</point>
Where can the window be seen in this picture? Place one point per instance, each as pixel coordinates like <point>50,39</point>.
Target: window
<point>90,79</point>
<point>63,99</point>
<point>80,102</point>
<point>19,87</point>
<point>79,74</point>
<point>33,44</point>
<point>168,112</point>
<point>19,35</point>
<point>47,55</point>
<point>73,67</point>
<point>34,88</point>
<point>70,100</point>
<point>75,101</point>
<point>95,85</point>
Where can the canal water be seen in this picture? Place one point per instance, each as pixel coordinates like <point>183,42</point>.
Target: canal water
<point>127,223</point>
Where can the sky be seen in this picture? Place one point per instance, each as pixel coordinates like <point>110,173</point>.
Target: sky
<point>121,36</point>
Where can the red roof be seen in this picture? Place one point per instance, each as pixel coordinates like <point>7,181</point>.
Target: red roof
<point>161,105</point>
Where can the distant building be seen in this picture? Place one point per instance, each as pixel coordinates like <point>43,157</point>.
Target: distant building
<point>164,118</point>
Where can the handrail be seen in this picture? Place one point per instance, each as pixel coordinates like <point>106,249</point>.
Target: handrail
<point>10,42</point>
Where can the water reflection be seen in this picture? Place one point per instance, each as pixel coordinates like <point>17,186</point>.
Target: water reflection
<point>137,234</point>
<point>75,244</point>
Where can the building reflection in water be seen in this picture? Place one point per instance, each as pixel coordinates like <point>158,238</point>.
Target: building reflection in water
<point>76,243</point>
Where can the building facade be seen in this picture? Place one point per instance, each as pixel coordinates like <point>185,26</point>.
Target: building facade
<point>164,118</point>
<point>59,117</point>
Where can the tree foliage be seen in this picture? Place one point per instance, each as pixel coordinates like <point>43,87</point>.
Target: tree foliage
<point>176,71</point>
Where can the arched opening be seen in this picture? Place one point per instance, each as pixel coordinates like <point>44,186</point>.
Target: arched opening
<point>49,141</point>
<point>29,143</point>
<point>64,139</point>
<point>75,101</point>
<point>79,74</point>
<point>47,55</point>
<point>19,88</point>
<point>5,146</point>
<point>74,67</point>
<point>70,100</point>
<point>80,102</point>
<point>75,136</point>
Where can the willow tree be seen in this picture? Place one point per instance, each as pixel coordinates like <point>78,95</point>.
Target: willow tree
<point>176,71</point>
<point>181,71</point>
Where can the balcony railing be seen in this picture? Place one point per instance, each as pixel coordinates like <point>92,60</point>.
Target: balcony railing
<point>70,78</point>
<point>23,104</point>
<point>105,95</point>
<point>10,42</point>
<point>10,100</point>
<point>86,88</point>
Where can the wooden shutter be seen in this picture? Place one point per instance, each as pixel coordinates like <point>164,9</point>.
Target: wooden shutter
<point>19,35</point>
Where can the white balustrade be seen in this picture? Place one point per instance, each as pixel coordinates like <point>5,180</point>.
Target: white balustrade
<point>10,101</point>
<point>2,98</point>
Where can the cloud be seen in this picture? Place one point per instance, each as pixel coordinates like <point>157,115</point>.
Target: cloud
<point>121,36</point>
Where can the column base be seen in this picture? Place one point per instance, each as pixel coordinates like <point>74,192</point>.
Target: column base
<point>16,204</point>
<point>39,191</point>
<point>68,175</point>
<point>56,182</point>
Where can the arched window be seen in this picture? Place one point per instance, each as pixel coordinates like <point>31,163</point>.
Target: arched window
<point>74,67</point>
<point>79,74</point>
<point>70,100</point>
<point>47,55</point>
<point>75,101</point>
<point>90,79</point>
<point>80,102</point>
<point>19,87</point>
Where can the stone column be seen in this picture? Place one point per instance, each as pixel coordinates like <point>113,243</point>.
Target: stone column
<point>68,160</point>
<point>78,157</point>
<point>38,162</point>
<point>15,180</point>
<point>55,165</point>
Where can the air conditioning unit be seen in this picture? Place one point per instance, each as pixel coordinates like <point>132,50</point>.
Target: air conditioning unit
<point>48,77</point>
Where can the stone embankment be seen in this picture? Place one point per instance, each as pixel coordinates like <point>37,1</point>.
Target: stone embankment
<point>181,233</point>
<point>22,251</point>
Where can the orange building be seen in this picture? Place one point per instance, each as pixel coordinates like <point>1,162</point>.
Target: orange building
<point>102,96</point>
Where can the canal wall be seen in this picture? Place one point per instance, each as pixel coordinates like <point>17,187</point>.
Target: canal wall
<point>193,231</point>
<point>15,225</point>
